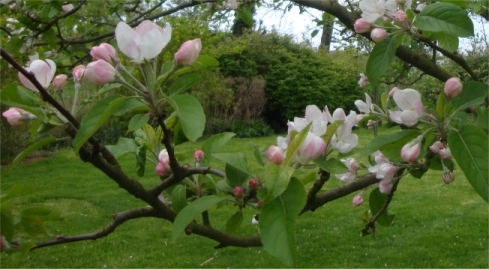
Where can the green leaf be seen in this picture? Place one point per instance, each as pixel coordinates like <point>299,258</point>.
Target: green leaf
<point>191,115</point>
<point>376,201</point>
<point>259,157</point>
<point>234,222</point>
<point>50,37</point>
<point>381,57</point>
<point>276,179</point>
<point>33,225</point>
<point>446,41</point>
<point>13,46</point>
<point>311,177</point>
<point>137,121</point>
<point>314,33</point>
<point>179,198</point>
<point>201,62</point>
<point>44,214</point>
<point>277,220</point>
<point>483,117</point>
<point>214,144</point>
<point>389,139</point>
<point>331,130</point>
<point>96,117</point>
<point>235,176</point>
<point>7,227</point>
<point>192,211</point>
<point>245,16</point>
<point>295,143</point>
<point>469,148</point>
<point>236,159</point>
<point>447,18</point>
<point>18,190</point>
<point>473,94</point>
<point>20,97</point>
<point>141,160</point>
<point>184,83</point>
<point>39,144</point>
<point>123,147</point>
<point>332,165</point>
<point>441,105</point>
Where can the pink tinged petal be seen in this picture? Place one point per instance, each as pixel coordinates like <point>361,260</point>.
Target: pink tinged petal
<point>299,124</point>
<point>368,99</point>
<point>339,114</point>
<point>405,98</point>
<point>282,143</point>
<point>347,177</point>
<point>357,200</point>
<point>418,107</point>
<point>395,116</point>
<point>327,114</point>
<point>26,82</point>
<point>313,113</point>
<point>351,118</point>
<point>445,153</point>
<point>362,106</point>
<point>409,117</point>
<point>128,41</point>
<point>437,146</point>
<point>385,186</point>
<point>151,44</point>
<point>410,151</point>
<point>144,27</point>
<point>311,148</point>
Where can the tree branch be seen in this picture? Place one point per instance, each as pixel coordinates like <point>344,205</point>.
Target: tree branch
<point>119,218</point>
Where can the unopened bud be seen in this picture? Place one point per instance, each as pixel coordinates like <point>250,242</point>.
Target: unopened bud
<point>238,191</point>
<point>252,183</point>
<point>357,200</point>
<point>448,176</point>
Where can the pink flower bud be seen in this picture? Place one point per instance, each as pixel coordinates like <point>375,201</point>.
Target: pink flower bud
<point>13,6</point>
<point>188,52</point>
<point>59,82</point>
<point>162,169</point>
<point>378,34</point>
<point>78,72</point>
<point>435,148</point>
<point>275,155</point>
<point>238,191</point>
<point>15,116</point>
<point>362,26</point>
<point>100,72</point>
<point>453,87</point>
<point>411,150</point>
<point>391,93</point>
<point>42,70</point>
<point>104,52</point>
<point>260,203</point>
<point>357,200</point>
<point>401,16</point>
<point>448,177</point>
<point>198,156</point>
<point>311,148</point>
<point>163,156</point>
<point>445,153</point>
<point>252,183</point>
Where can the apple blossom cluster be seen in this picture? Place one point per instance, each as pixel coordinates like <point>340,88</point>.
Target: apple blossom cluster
<point>377,13</point>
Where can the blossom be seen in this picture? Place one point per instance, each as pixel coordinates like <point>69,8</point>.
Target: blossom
<point>437,146</point>
<point>104,52</point>
<point>411,150</point>
<point>445,153</point>
<point>67,7</point>
<point>362,26</point>
<point>275,155</point>
<point>386,173</point>
<point>392,91</point>
<point>363,80</point>
<point>453,87</point>
<point>401,16</point>
<point>198,156</point>
<point>42,70</point>
<point>378,34</point>
<point>15,116</point>
<point>409,101</point>
<point>59,81</point>
<point>100,72</point>
<point>343,140</point>
<point>448,177</point>
<point>311,148</point>
<point>188,52</point>
<point>372,9</point>
<point>163,156</point>
<point>231,4</point>
<point>144,42</point>
<point>379,159</point>
<point>163,166</point>
<point>353,167</point>
<point>365,107</point>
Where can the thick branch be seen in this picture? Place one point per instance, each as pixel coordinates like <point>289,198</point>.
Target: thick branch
<point>339,192</point>
<point>119,218</point>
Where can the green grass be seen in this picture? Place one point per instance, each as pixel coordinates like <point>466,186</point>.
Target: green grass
<point>436,225</point>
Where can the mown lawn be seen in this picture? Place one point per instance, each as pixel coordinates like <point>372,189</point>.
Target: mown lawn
<point>436,225</point>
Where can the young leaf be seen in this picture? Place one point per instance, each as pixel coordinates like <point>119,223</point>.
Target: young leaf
<point>137,121</point>
<point>96,117</point>
<point>184,83</point>
<point>214,144</point>
<point>258,155</point>
<point>123,147</point>
<point>446,41</point>
<point>276,179</point>
<point>201,62</point>
<point>17,190</point>
<point>332,165</point>
<point>39,144</point>
<point>376,200</point>
<point>383,140</point>
<point>7,227</point>
<point>295,143</point>
<point>447,18</point>
<point>381,57</point>
<point>191,115</point>
<point>235,176</point>
<point>277,220</point>
<point>192,211</point>
<point>179,198</point>
<point>469,148</point>
<point>234,222</point>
